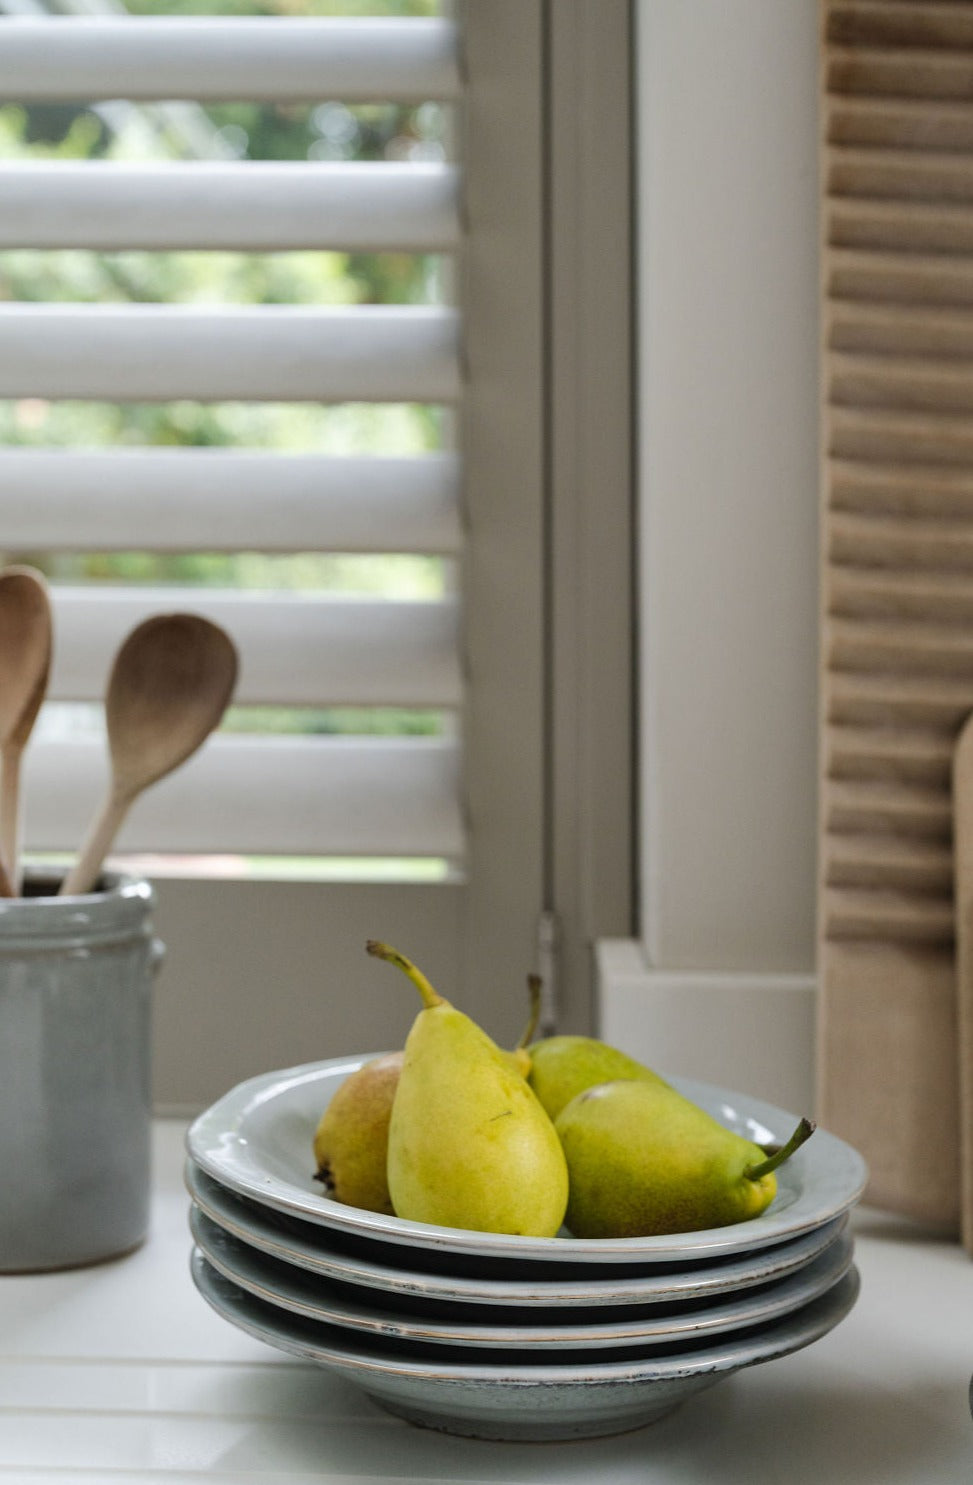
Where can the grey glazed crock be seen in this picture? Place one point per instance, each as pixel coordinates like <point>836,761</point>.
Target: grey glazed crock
<point>76,978</point>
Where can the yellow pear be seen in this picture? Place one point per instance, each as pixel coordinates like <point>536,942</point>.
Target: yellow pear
<point>351,1140</point>
<point>643,1160</point>
<point>469,1144</point>
<point>563,1066</point>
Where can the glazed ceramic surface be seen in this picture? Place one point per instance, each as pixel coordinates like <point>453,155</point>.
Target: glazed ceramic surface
<point>76,979</point>
<point>501,1398</point>
<point>535,1333</point>
<point>257,1140</point>
<point>309,1246</point>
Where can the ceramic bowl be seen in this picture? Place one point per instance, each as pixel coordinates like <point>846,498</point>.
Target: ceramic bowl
<point>310,1246</point>
<point>457,1392</point>
<point>532,1332</point>
<point>257,1141</point>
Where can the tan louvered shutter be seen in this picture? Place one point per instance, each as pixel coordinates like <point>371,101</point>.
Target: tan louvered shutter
<point>897,583</point>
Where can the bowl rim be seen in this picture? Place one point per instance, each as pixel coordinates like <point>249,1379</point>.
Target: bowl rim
<point>361,1355</point>
<point>823,1179</point>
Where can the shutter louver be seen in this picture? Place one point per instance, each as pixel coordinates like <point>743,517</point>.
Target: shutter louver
<point>304,795</point>
<point>209,58</point>
<point>229,205</point>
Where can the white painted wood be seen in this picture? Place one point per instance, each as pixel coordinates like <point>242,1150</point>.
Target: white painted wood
<point>505,414</point>
<point>209,58</point>
<point>252,206</point>
<point>298,796</point>
<point>475,934</point>
<point>295,649</point>
<point>271,353</point>
<point>750,1032</point>
<point>728,480</point>
<point>217,500</point>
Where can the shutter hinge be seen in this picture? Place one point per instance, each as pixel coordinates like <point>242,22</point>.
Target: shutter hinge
<point>548,943</point>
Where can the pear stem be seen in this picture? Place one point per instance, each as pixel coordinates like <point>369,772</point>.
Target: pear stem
<point>534,986</point>
<point>430,996</point>
<point>764,1167</point>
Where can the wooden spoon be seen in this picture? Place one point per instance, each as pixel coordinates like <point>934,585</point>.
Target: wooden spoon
<point>26,630</point>
<point>169,686</point>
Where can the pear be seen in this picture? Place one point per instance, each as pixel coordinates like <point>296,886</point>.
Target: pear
<point>563,1066</point>
<point>469,1145</point>
<point>351,1140</point>
<point>644,1160</point>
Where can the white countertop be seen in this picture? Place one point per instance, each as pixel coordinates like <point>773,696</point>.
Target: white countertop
<point>122,1374</point>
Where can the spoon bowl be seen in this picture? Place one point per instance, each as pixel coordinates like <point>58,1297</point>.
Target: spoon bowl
<point>170,684</point>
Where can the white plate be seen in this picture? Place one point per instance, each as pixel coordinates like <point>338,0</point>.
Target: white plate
<point>258,1138</point>
<point>504,1399</point>
<point>305,1294</point>
<point>306,1245</point>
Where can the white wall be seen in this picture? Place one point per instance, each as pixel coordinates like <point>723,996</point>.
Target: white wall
<point>721,986</point>
<point>729,468</point>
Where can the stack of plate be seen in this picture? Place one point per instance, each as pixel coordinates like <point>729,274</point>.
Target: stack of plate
<point>509,1337</point>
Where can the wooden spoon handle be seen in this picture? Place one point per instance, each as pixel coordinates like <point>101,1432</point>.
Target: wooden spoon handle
<point>10,812</point>
<point>84,873</point>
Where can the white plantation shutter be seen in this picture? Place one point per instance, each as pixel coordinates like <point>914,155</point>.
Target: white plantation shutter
<point>302,795</point>
<point>525,794</point>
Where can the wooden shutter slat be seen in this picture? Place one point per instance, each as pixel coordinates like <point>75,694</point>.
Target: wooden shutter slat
<point>227,499</point>
<point>889,917</point>
<point>890,226</point>
<point>899,278</point>
<point>901,175</point>
<point>929,597</point>
<point>899,123</point>
<point>875,754</point>
<point>890,865</point>
<point>253,206</point>
<point>917,491</point>
<point>220,58</point>
<point>295,650</point>
<point>154,352</point>
<point>899,329</point>
<point>382,797</point>
<point>912,383</point>
<point>866,23</point>
<point>887,437</point>
<point>903,543</point>
<point>872,72</point>
<point>897,648</point>
<point>900,701</point>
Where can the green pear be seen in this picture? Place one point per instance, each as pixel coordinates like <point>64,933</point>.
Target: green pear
<point>644,1160</point>
<point>469,1145</point>
<point>563,1066</point>
<point>351,1140</point>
